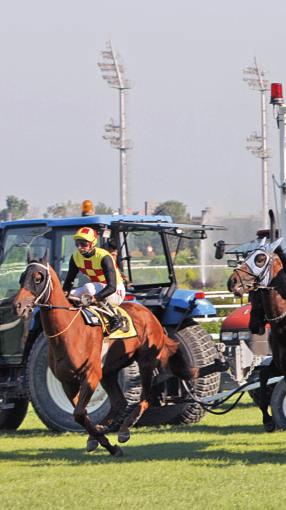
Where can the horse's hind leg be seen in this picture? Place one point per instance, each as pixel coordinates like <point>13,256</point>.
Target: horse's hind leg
<point>81,417</point>
<point>146,373</point>
<point>265,373</point>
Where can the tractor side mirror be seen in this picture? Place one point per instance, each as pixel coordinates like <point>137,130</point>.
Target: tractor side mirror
<point>219,249</point>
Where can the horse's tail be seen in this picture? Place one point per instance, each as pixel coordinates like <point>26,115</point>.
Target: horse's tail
<point>168,349</point>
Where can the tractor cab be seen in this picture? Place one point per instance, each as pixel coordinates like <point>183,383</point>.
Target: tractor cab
<point>148,250</point>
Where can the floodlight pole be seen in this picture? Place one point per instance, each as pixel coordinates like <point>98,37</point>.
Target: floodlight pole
<point>113,73</point>
<point>255,79</point>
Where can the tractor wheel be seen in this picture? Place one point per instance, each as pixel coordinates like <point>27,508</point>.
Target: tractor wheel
<point>278,404</point>
<point>11,419</point>
<point>48,397</point>
<point>198,350</point>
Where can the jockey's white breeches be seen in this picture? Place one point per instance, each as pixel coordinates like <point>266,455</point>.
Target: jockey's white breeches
<point>92,288</point>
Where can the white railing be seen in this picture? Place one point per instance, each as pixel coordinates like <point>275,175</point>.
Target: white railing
<point>221,295</point>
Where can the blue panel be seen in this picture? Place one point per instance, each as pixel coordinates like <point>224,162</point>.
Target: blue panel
<point>182,299</point>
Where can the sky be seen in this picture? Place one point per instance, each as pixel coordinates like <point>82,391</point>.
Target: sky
<point>188,111</point>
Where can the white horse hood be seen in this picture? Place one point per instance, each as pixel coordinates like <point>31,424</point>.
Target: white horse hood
<point>262,272</point>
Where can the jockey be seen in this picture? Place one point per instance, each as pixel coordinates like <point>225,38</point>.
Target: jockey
<point>106,283</point>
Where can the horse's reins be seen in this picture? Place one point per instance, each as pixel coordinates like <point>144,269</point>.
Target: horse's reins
<point>242,284</point>
<point>68,326</point>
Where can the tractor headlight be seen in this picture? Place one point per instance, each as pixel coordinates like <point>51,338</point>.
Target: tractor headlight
<point>227,336</point>
<point>244,335</point>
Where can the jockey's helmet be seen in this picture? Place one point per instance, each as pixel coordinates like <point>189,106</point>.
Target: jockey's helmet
<point>87,235</point>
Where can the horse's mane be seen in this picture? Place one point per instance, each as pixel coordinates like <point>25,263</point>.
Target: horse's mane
<point>279,282</point>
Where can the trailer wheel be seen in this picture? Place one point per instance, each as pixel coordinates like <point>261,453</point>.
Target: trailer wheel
<point>11,419</point>
<point>198,350</point>
<point>48,398</point>
<point>278,404</point>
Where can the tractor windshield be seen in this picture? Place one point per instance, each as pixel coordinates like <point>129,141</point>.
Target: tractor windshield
<point>144,258</point>
<point>15,245</point>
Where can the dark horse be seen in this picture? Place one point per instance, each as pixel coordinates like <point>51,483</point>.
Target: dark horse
<point>74,353</point>
<point>263,275</point>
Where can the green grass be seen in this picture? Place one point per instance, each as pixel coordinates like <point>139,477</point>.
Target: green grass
<point>224,462</point>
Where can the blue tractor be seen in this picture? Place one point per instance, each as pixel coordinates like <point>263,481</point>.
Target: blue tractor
<point>148,250</point>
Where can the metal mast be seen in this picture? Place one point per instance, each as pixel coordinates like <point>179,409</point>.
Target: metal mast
<point>113,72</point>
<point>279,111</point>
<point>254,76</point>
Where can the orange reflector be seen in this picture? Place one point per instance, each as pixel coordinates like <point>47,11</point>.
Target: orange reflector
<point>87,208</point>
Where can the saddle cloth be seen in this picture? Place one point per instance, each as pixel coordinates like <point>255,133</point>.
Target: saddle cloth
<point>93,317</point>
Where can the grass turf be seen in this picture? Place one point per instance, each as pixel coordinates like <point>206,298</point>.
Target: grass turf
<point>224,462</point>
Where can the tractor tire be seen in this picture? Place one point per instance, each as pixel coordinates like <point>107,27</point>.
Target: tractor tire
<point>48,398</point>
<point>278,404</point>
<point>198,350</point>
<point>11,419</point>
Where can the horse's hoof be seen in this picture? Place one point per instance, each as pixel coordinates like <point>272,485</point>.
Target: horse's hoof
<point>123,437</point>
<point>91,445</point>
<point>269,427</point>
<point>118,452</point>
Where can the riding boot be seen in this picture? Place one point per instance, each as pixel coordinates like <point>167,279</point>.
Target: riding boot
<point>114,320</point>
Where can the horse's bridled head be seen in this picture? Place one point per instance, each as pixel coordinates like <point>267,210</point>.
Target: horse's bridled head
<point>34,282</point>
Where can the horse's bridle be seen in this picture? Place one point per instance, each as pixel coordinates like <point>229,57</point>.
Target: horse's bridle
<point>256,278</point>
<point>46,292</point>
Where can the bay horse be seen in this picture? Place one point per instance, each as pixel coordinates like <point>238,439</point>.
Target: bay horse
<point>74,353</point>
<point>263,275</point>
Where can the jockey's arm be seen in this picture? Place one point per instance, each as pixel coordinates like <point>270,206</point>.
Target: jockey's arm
<point>71,275</point>
<point>110,276</point>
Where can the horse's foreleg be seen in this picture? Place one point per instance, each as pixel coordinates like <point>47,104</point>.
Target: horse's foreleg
<point>81,416</point>
<point>265,373</point>
<point>146,373</point>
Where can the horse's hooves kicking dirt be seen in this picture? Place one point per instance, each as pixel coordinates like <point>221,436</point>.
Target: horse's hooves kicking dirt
<point>123,437</point>
<point>91,445</point>
<point>118,452</point>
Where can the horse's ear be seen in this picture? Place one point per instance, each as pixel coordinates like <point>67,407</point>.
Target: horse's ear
<point>29,257</point>
<point>275,244</point>
<point>45,257</point>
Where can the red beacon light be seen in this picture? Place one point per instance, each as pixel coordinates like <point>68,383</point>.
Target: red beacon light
<point>276,94</point>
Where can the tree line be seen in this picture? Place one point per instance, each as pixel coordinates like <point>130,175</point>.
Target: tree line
<point>17,208</point>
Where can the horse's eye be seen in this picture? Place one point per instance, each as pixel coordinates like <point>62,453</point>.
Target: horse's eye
<point>260,260</point>
<point>38,278</point>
